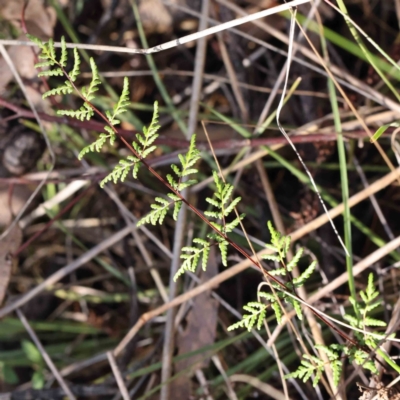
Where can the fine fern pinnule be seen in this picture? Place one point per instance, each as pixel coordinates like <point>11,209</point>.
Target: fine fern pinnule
<point>256,317</point>
<point>110,135</point>
<point>192,256</point>
<point>143,147</point>
<point>187,162</point>
<point>357,354</point>
<point>280,245</point>
<point>86,111</point>
<point>309,365</point>
<point>224,206</point>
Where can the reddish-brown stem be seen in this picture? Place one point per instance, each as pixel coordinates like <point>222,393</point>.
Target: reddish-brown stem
<point>228,144</point>
<point>198,213</point>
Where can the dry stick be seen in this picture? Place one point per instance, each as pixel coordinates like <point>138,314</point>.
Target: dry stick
<point>65,271</point>
<point>232,77</point>
<point>230,392</point>
<point>296,235</point>
<point>45,356</point>
<point>357,85</point>
<point>209,77</point>
<point>179,234</point>
<point>118,376</point>
<point>180,41</point>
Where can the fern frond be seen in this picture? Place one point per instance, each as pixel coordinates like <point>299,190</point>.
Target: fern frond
<point>332,352</point>
<point>88,93</point>
<point>35,40</point>
<point>84,112</point>
<point>214,203</point>
<point>295,260</point>
<point>296,305</point>
<point>51,49</point>
<point>224,193</point>
<point>49,72</point>
<point>222,199</point>
<point>47,48</point>
<point>279,242</point>
<point>76,68</point>
<point>256,317</point>
<point>64,53</point>
<point>122,104</point>
<point>99,143</point>
<point>272,248</point>
<point>144,141</point>
<point>150,134</point>
<point>223,248</point>
<point>368,321</point>
<point>42,64</point>
<point>120,171</point>
<point>370,306</point>
<point>278,271</point>
<point>360,357</point>
<point>48,55</point>
<point>192,256</point>
<point>177,205</point>
<point>65,89</point>
<point>352,320</point>
<point>188,160</point>
<point>271,257</point>
<point>309,365</point>
<point>370,291</point>
<point>299,281</point>
<point>95,146</point>
<point>230,226</point>
<point>278,311</point>
<point>232,205</point>
<point>158,214</point>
